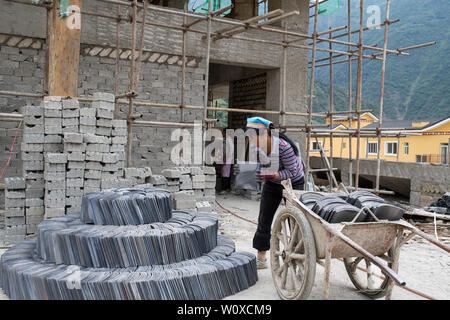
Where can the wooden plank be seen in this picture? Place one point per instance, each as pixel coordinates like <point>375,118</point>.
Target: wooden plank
<point>64,51</point>
<point>423,213</point>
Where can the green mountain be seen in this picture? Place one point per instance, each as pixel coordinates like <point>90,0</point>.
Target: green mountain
<point>416,86</point>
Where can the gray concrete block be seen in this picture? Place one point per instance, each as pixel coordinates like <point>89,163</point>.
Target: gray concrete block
<point>196,171</point>
<point>15,183</point>
<point>97,147</point>
<point>210,184</point>
<point>119,132</point>
<point>93,174</point>
<point>75,147</point>
<point>33,128</point>
<point>56,157</point>
<point>15,212</point>
<point>74,192</point>
<point>34,211</point>
<point>103,131</point>
<point>119,123</point>
<point>34,120</point>
<point>32,147</point>
<point>184,195</point>
<point>74,182</point>
<point>119,140</point>
<point>54,176</point>
<point>111,167</point>
<point>110,158</point>
<point>88,121</point>
<point>70,122</point>
<point>171,173</point>
<point>75,173</point>
<point>53,147</point>
<point>53,138</point>
<point>158,180</point>
<point>76,165</point>
<point>70,104</point>
<point>51,105</point>
<point>71,114</point>
<point>34,193</point>
<point>15,194</point>
<point>93,165</point>
<point>32,110</point>
<point>55,185</point>
<point>30,220</point>
<point>70,129</point>
<point>105,115</point>
<point>34,202</point>
<point>51,113</point>
<point>76,156</point>
<point>92,138</point>
<point>209,170</point>
<point>94,156</point>
<point>17,230</point>
<point>92,183</point>
<point>87,129</point>
<point>210,177</point>
<point>14,203</point>
<point>55,167</point>
<point>185,204</point>
<point>32,156</point>
<point>103,96</point>
<point>73,138</point>
<point>33,165</point>
<point>88,112</point>
<point>33,138</point>
<point>53,129</point>
<point>54,212</point>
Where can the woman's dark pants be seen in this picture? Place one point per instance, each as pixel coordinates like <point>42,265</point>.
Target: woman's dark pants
<point>271,196</point>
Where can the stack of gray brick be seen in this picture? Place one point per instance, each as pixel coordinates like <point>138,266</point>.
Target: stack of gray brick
<point>138,176</point>
<point>88,120</point>
<point>119,140</point>
<point>32,152</point>
<point>96,148</point>
<point>74,147</point>
<point>15,220</point>
<point>70,116</point>
<point>191,185</point>
<point>173,179</point>
<point>53,129</point>
<point>104,104</point>
<point>55,184</point>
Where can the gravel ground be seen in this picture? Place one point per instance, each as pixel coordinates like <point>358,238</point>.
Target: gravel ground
<point>423,266</point>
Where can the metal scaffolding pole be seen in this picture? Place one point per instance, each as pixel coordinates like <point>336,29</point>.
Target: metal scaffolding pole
<point>132,88</point>
<point>350,95</point>
<point>311,93</point>
<point>380,122</point>
<point>116,73</point>
<point>359,91</point>
<point>331,110</point>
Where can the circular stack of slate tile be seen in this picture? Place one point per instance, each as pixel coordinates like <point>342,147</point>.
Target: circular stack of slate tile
<point>127,244</point>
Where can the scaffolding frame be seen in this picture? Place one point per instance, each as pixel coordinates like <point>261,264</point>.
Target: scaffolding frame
<point>355,51</point>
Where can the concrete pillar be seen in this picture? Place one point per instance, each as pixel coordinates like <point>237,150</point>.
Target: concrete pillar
<point>296,67</point>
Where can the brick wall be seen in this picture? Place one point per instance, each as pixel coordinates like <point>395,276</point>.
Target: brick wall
<point>22,70</point>
<point>247,93</point>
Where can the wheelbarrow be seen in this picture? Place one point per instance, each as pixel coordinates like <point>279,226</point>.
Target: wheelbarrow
<point>300,239</point>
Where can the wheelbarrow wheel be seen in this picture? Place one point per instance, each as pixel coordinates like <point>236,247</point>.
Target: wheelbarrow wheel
<point>292,255</point>
<point>368,278</point>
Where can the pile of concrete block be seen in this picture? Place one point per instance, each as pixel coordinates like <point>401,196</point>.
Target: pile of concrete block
<point>70,116</point>
<point>55,184</point>
<point>33,148</point>
<point>190,185</point>
<point>15,219</point>
<point>74,148</point>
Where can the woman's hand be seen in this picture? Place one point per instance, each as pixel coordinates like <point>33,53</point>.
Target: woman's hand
<point>268,176</point>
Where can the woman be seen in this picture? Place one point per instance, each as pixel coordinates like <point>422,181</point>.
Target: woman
<point>284,159</point>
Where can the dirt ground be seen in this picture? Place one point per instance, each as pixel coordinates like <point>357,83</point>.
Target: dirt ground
<point>423,266</point>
